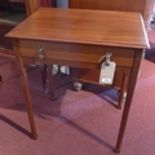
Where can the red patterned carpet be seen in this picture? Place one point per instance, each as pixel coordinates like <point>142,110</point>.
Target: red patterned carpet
<point>82,123</point>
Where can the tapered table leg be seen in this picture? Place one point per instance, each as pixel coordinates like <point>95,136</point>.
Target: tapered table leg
<point>28,103</point>
<point>132,83</point>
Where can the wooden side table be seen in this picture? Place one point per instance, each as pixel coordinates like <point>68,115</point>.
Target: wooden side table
<point>79,38</point>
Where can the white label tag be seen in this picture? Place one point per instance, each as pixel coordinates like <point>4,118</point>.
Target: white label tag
<point>65,70</point>
<point>107,73</point>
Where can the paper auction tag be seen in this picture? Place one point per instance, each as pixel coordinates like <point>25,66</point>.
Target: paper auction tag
<point>107,73</point>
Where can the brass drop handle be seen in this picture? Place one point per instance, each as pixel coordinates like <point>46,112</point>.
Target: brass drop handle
<point>106,58</point>
<point>40,52</point>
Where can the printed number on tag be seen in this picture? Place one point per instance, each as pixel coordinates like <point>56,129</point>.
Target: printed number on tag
<point>107,73</point>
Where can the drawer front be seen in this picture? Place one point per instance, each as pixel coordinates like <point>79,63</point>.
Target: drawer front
<point>75,55</point>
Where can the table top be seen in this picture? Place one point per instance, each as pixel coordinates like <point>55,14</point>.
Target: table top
<point>111,28</point>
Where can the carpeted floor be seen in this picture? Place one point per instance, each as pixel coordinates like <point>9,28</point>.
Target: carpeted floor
<point>82,123</point>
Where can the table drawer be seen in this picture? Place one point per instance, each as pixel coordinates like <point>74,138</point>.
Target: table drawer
<point>76,55</point>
